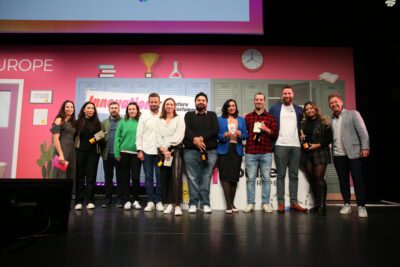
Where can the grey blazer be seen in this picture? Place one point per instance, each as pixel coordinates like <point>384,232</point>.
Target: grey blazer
<point>354,134</point>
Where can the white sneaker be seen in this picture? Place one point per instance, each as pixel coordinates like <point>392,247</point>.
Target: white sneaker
<point>90,206</point>
<point>160,206</point>
<point>178,211</point>
<point>346,209</point>
<point>267,208</point>
<point>249,208</point>
<point>149,207</point>
<point>136,205</point>
<point>362,212</point>
<point>127,205</point>
<point>192,209</point>
<point>169,209</point>
<point>207,209</point>
<point>78,206</point>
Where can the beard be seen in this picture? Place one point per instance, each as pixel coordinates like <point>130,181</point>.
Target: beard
<point>200,107</point>
<point>287,100</point>
<point>154,109</point>
<point>114,114</point>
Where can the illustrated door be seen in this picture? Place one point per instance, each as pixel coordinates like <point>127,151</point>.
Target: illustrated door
<point>8,128</point>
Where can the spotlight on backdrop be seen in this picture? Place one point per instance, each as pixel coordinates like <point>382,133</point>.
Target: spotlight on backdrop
<point>390,3</point>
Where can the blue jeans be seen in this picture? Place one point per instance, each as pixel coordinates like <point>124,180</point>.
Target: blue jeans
<point>253,162</point>
<point>287,157</point>
<point>149,164</point>
<point>199,175</point>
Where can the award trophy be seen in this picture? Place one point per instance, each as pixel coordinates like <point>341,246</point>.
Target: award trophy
<point>149,59</point>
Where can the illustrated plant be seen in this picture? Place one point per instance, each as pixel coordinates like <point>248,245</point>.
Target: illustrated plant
<point>46,155</point>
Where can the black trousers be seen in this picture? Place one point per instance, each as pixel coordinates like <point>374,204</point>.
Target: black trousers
<point>86,172</point>
<point>344,167</point>
<point>129,170</point>
<point>109,165</point>
<point>171,180</point>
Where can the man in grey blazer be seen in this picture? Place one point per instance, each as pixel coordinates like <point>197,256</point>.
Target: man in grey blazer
<point>350,147</point>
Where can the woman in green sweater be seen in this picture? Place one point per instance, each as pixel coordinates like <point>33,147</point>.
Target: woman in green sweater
<point>126,155</point>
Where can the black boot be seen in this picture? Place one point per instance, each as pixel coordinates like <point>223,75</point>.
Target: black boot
<point>322,198</point>
<point>315,198</point>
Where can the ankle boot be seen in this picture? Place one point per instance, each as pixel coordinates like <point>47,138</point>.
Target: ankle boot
<point>322,199</point>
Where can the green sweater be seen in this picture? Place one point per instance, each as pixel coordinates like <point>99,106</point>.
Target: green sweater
<point>125,137</point>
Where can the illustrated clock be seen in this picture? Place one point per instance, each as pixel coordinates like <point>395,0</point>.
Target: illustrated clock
<point>252,59</point>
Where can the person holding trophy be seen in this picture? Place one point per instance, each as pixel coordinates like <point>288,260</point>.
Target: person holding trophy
<point>88,136</point>
<point>200,152</point>
<point>170,131</point>
<point>232,132</point>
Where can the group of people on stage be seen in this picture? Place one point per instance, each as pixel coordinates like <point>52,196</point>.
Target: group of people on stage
<point>165,143</point>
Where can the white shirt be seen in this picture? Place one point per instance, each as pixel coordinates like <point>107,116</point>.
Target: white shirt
<point>145,134</point>
<point>338,148</point>
<point>288,132</point>
<point>170,134</point>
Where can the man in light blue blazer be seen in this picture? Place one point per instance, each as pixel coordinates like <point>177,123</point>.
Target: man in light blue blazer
<point>350,147</point>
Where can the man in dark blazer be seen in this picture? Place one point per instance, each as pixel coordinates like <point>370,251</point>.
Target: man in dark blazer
<point>287,147</point>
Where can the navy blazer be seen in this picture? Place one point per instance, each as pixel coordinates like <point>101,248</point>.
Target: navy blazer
<point>223,142</point>
<point>275,111</point>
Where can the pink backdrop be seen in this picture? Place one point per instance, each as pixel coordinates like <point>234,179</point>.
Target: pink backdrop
<point>216,62</point>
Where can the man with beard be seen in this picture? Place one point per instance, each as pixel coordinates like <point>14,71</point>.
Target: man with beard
<point>287,149</point>
<point>262,132</point>
<point>350,148</point>
<point>147,152</point>
<point>109,126</point>
<point>200,152</point>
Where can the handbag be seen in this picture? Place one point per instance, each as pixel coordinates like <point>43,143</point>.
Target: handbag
<point>56,164</point>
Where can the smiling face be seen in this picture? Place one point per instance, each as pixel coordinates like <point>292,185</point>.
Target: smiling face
<point>169,106</point>
<point>154,103</point>
<point>132,111</point>
<point>232,108</point>
<point>201,103</point>
<point>310,111</point>
<point>336,104</point>
<point>287,96</point>
<point>114,110</point>
<point>259,102</point>
<point>89,110</point>
<point>69,109</point>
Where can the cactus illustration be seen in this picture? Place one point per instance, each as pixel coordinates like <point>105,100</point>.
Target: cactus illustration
<point>46,155</point>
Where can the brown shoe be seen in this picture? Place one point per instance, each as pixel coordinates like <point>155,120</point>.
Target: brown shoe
<point>297,207</point>
<point>281,208</point>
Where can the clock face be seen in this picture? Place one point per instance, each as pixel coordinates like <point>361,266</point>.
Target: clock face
<point>252,59</point>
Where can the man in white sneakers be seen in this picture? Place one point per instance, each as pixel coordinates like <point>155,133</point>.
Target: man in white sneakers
<point>147,152</point>
<point>200,153</point>
<point>350,148</point>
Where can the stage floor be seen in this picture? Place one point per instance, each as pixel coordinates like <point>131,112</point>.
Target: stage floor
<point>114,237</point>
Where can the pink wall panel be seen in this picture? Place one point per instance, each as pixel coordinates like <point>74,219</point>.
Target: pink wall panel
<point>218,62</point>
